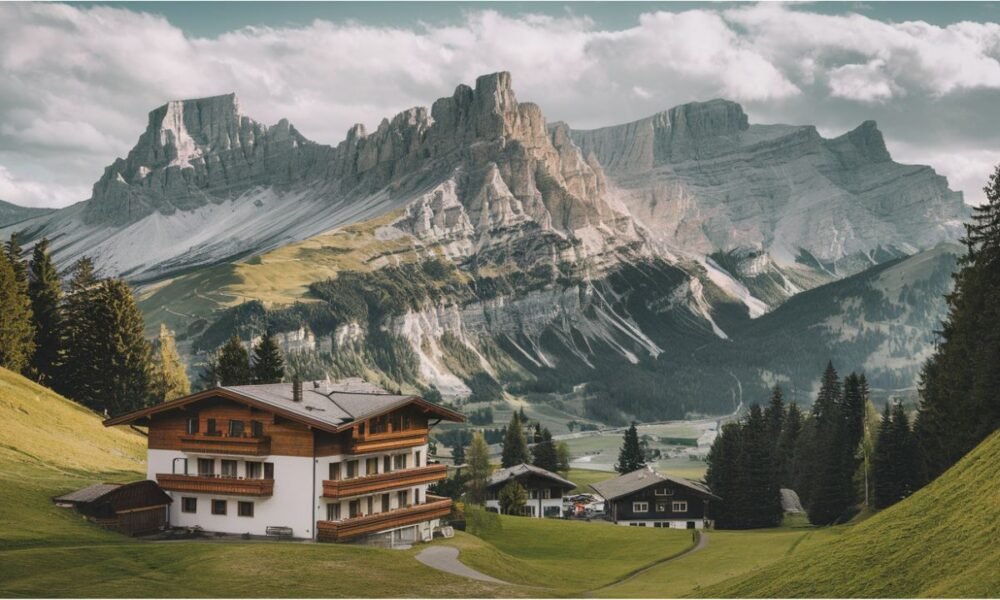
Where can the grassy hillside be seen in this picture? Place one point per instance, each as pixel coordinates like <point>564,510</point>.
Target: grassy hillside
<point>942,541</point>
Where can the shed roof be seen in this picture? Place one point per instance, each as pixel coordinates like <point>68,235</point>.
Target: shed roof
<point>643,478</point>
<point>121,496</point>
<point>504,475</point>
<point>88,494</point>
<point>330,406</point>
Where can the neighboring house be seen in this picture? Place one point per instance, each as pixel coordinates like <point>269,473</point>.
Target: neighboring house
<point>545,489</point>
<point>645,498</point>
<point>129,508</point>
<point>331,462</point>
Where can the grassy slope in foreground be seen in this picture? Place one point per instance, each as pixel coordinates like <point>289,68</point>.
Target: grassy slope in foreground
<point>49,445</point>
<point>943,541</point>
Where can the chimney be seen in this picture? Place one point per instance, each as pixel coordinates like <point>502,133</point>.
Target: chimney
<point>296,390</point>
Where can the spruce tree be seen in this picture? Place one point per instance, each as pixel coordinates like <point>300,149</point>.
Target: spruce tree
<point>630,457</point>
<point>515,445</point>
<point>15,253</point>
<point>724,476</point>
<point>886,481</point>
<point>478,457</point>
<point>787,442</point>
<point>774,415</point>
<point>543,454</point>
<point>268,362</point>
<point>46,305</point>
<point>232,365</point>
<point>959,405</point>
<point>78,376</point>
<point>170,379</point>
<point>16,331</point>
<point>760,497</point>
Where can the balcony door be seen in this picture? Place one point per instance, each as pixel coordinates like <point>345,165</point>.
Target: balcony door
<point>206,467</point>
<point>385,502</point>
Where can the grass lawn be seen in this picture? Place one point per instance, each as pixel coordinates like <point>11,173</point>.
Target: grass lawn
<point>567,558</point>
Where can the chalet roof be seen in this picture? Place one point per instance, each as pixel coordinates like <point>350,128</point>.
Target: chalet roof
<point>331,406</point>
<point>120,495</point>
<point>643,478</point>
<point>504,475</point>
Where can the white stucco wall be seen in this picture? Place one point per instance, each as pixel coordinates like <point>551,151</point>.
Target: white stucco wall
<point>673,524</point>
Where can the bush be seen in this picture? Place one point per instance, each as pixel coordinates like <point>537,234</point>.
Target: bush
<point>480,522</point>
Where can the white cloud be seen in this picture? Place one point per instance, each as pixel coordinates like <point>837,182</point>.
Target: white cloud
<point>76,83</point>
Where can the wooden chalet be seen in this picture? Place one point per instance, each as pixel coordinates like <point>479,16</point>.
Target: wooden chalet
<point>545,489</point>
<point>645,498</point>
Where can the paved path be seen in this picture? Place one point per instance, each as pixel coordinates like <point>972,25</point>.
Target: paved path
<point>702,543</point>
<point>445,558</point>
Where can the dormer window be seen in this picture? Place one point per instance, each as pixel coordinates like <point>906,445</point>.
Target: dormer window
<point>664,492</point>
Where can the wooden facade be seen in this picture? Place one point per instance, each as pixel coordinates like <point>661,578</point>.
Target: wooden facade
<point>661,502</point>
<point>230,486</point>
<point>345,529</point>
<point>132,508</point>
<point>369,484</point>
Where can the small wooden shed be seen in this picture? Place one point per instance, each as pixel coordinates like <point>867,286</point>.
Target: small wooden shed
<point>129,508</point>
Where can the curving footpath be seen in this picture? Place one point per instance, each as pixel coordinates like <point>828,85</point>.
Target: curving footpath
<point>699,545</point>
<point>445,558</point>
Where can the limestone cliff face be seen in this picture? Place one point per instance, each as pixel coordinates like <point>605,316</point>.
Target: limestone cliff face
<point>704,180</point>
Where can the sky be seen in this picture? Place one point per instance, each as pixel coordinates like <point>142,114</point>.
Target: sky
<point>77,80</point>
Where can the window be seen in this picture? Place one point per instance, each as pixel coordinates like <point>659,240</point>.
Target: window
<point>335,471</point>
<point>371,505</point>
<point>371,466</point>
<point>256,429</point>
<point>352,469</point>
<point>640,507</point>
<point>354,508</point>
<point>218,507</point>
<point>399,461</point>
<point>533,494</point>
<point>661,507</point>
<point>664,492</point>
<point>416,495</point>
<point>658,524</point>
<point>268,470</point>
<point>192,426</point>
<point>189,505</point>
<point>387,464</point>
<point>547,493</point>
<point>254,470</point>
<point>180,466</point>
<point>385,502</point>
<point>333,511</point>
<point>680,506</point>
<point>235,428</point>
<point>402,498</point>
<point>416,459</point>
<point>244,509</point>
<point>210,427</point>
<point>206,467</point>
<point>228,468</point>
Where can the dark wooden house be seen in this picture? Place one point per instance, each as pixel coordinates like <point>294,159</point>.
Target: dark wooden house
<point>130,508</point>
<point>645,498</point>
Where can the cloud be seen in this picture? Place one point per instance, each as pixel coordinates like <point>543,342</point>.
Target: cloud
<point>76,83</point>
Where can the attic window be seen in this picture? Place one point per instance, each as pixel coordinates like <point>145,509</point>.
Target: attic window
<point>664,492</point>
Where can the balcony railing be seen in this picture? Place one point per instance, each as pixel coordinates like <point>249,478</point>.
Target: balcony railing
<point>218,444</point>
<point>388,440</point>
<point>336,531</point>
<point>215,485</point>
<point>343,488</point>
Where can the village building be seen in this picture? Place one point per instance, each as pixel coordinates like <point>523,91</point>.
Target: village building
<point>326,461</point>
<point>545,490</point>
<point>645,498</point>
<point>129,508</point>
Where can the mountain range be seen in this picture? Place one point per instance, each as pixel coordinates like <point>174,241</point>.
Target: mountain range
<point>475,248</point>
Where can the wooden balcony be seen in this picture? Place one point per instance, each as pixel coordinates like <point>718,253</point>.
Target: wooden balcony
<point>229,486</point>
<point>345,529</point>
<point>219,444</point>
<point>389,440</point>
<point>343,488</point>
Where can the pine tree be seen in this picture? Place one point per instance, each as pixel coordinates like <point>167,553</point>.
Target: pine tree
<point>543,454</point>
<point>774,415</point>
<point>630,457</point>
<point>760,496</point>
<point>515,446</point>
<point>16,331</point>
<point>724,476</point>
<point>78,376</point>
<point>15,253</point>
<point>959,405</point>
<point>170,379</point>
<point>826,409</point>
<point>886,481</point>
<point>836,442</point>
<point>787,441</point>
<point>46,305</point>
<point>478,457</point>
<point>232,365</point>
<point>268,362</point>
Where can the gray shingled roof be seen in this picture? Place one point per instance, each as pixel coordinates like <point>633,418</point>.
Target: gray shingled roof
<point>641,479</point>
<point>334,403</point>
<point>503,475</point>
<point>89,493</point>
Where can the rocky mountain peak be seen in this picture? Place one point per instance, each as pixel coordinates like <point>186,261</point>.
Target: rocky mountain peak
<point>869,141</point>
<point>707,119</point>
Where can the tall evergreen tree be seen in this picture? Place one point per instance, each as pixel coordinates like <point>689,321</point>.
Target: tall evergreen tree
<point>959,405</point>
<point>724,476</point>
<point>543,453</point>
<point>233,364</point>
<point>630,457</point>
<point>884,473</point>
<point>16,331</point>
<point>787,441</point>
<point>761,494</point>
<point>45,290</point>
<point>15,253</point>
<point>826,408</point>
<point>774,415</point>
<point>515,445</point>
<point>78,376</point>
<point>836,442</point>
<point>478,458</point>
<point>268,362</point>
<point>170,379</point>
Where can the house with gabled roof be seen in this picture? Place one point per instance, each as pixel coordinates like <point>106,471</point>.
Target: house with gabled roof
<point>324,461</point>
<point>545,489</point>
<point>646,498</point>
